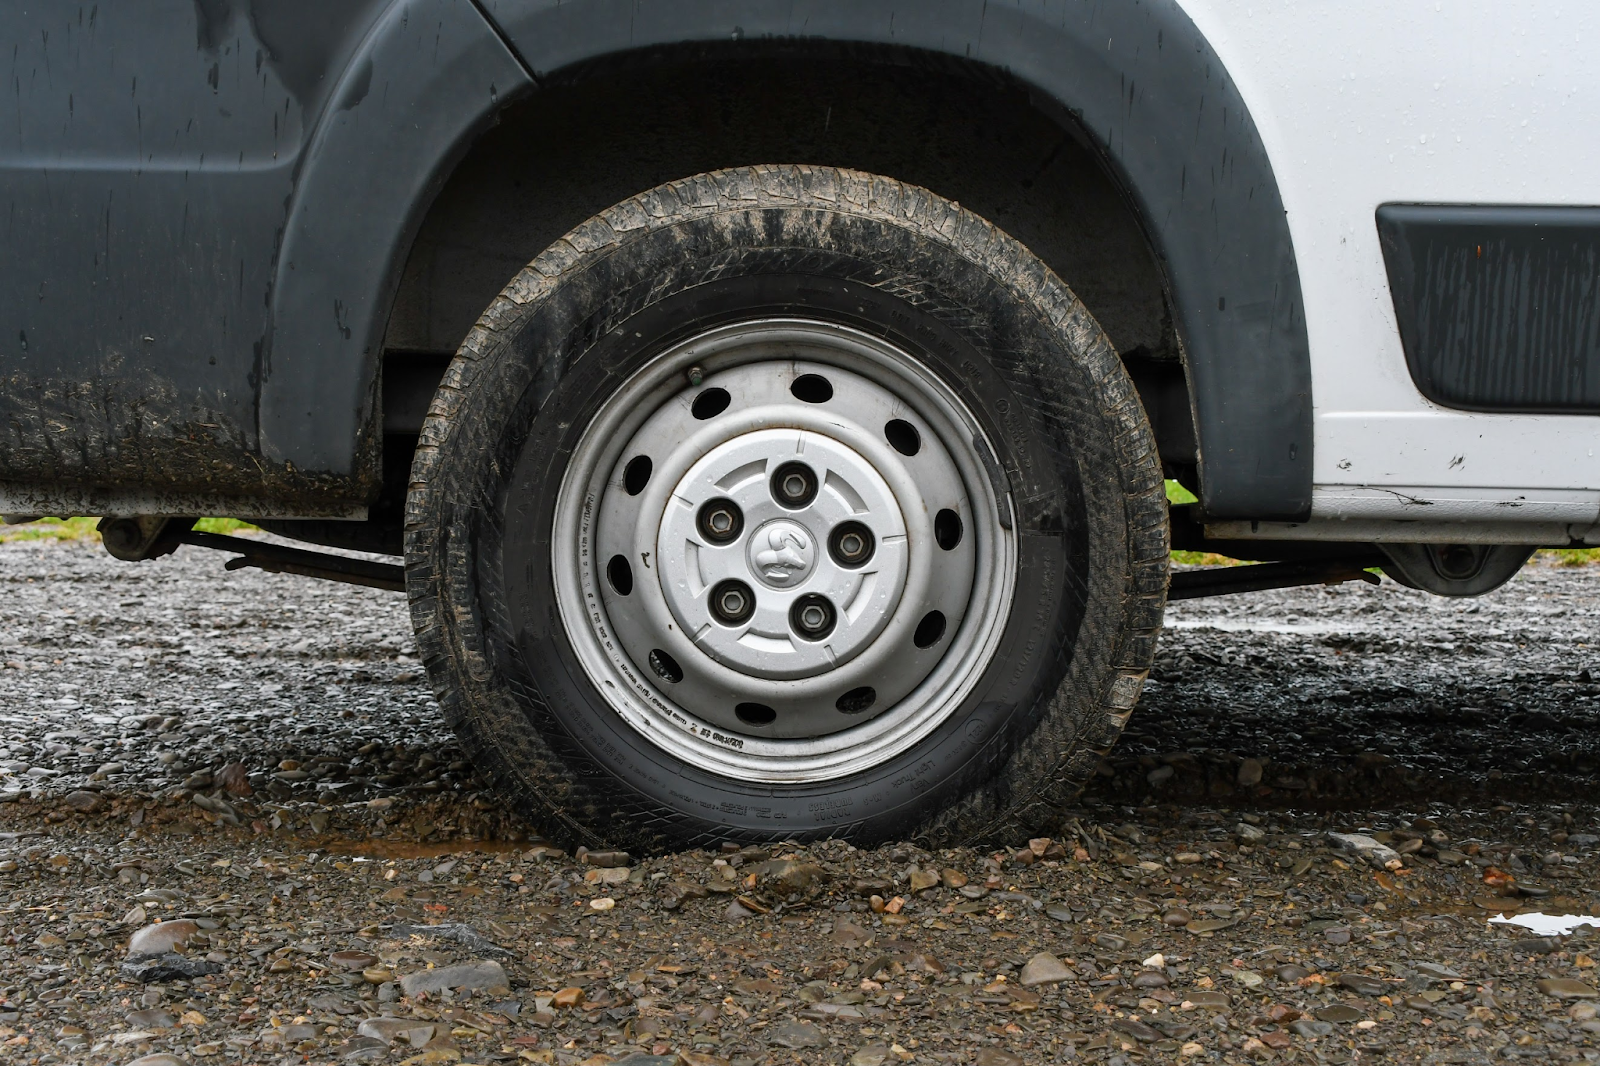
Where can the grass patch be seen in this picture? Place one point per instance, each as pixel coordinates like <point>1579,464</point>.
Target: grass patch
<point>83,529</point>
<point>1569,556</point>
<point>52,529</point>
<point>1177,494</point>
<point>222,525</point>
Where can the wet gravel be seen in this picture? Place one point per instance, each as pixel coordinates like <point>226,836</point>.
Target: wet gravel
<point>230,832</point>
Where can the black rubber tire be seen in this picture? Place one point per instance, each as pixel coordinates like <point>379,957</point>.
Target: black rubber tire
<point>1074,449</point>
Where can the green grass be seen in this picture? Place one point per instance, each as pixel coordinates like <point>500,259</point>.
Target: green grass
<point>1569,556</point>
<point>83,529</point>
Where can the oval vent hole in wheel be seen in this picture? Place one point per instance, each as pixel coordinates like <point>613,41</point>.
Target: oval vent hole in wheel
<point>710,403</point>
<point>665,666</point>
<point>621,574</point>
<point>812,388</point>
<point>636,475</point>
<point>904,436</point>
<point>947,529</point>
<point>929,630</point>
<point>755,714</point>
<point>857,700</point>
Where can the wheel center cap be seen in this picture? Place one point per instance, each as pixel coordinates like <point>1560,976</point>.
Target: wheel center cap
<point>782,554</point>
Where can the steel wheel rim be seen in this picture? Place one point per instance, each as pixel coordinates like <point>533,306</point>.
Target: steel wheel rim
<point>685,673</point>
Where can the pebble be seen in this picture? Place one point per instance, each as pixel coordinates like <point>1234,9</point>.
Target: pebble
<point>799,1034</point>
<point>991,1056</point>
<point>1360,984</point>
<point>353,960</point>
<point>1043,969</point>
<point>81,800</point>
<point>161,937</point>
<point>1339,1013</point>
<point>1368,849</point>
<point>1565,988</point>
<point>390,1030</point>
<point>485,974</point>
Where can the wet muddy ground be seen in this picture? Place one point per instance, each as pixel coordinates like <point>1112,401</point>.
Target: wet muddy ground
<point>256,758</point>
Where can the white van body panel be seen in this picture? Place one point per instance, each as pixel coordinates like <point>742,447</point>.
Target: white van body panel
<point>1365,102</point>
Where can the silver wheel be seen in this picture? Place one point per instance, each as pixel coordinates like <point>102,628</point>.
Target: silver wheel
<point>779,552</point>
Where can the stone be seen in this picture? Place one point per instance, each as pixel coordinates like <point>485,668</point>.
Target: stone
<point>795,1035</point>
<point>234,779</point>
<point>1249,775</point>
<point>1360,984</point>
<point>160,1058</point>
<point>168,967</point>
<point>871,1055</point>
<point>1565,988</point>
<point>1044,969</point>
<point>353,960</point>
<point>952,878</point>
<point>1207,1000</point>
<point>848,934</point>
<point>361,1049</point>
<point>1177,917</point>
<point>1310,1027</point>
<point>604,858</point>
<point>790,881</point>
<point>1368,849</point>
<point>993,1056</point>
<point>1249,834</point>
<point>83,800</point>
<point>478,974</point>
<point>1136,1029</point>
<point>391,1030</point>
<point>161,937</point>
<point>1339,1014</point>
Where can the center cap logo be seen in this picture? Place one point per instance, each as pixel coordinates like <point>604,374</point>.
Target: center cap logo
<point>782,553</point>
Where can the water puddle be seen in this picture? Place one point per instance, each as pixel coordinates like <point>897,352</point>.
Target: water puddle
<point>1542,924</point>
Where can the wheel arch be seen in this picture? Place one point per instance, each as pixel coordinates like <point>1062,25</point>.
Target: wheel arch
<point>1137,85</point>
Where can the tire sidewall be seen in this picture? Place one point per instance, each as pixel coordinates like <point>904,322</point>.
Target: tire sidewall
<point>1036,388</point>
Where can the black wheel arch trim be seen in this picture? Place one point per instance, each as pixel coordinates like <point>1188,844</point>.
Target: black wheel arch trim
<point>1138,78</point>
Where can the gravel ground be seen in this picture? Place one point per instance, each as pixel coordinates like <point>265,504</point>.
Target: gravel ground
<point>232,830</point>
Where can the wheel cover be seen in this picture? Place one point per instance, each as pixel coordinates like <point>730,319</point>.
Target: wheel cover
<point>779,552</point>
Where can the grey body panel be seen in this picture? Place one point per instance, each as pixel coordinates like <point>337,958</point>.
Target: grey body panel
<point>283,269</point>
<point>1498,306</point>
<point>189,191</point>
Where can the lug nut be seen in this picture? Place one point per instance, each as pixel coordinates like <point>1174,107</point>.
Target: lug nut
<point>732,602</point>
<point>812,616</point>
<point>794,485</point>
<point>720,521</point>
<point>850,544</point>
